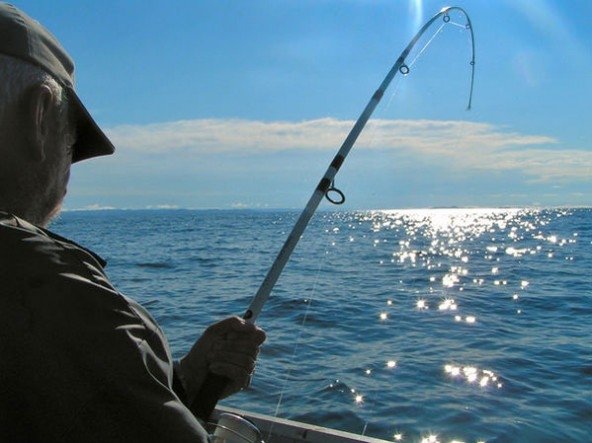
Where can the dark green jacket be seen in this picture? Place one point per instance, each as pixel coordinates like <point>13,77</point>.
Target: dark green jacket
<point>78,360</point>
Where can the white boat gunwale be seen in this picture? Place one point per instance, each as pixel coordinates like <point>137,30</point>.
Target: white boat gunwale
<point>281,430</point>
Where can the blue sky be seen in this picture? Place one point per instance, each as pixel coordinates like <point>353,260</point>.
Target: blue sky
<point>224,104</point>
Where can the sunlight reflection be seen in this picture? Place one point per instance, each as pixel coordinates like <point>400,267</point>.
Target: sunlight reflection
<point>462,276</point>
<point>449,280</point>
<point>473,375</point>
<point>452,370</point>
<point>448,229</point>
<point>448,305</point>
<point>461,266</point>
<point>422,304</point>
<point>416,9</point>
<point>515,252</point>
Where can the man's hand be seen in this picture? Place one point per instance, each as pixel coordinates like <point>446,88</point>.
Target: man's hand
<point>228,348</point>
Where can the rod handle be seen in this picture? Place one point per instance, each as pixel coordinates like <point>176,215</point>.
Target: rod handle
<point>210,392</point>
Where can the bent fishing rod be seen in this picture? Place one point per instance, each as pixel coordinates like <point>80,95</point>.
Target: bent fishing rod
<point>213,386</point>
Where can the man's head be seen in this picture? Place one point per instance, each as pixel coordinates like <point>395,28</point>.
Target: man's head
<point>43,125</point>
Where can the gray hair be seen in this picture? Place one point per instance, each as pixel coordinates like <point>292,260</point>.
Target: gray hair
<point>17,75</point>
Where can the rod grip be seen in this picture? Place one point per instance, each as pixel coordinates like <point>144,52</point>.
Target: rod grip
<point>210,392</point>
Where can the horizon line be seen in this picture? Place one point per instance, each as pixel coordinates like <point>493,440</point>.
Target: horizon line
<point>259,208</point>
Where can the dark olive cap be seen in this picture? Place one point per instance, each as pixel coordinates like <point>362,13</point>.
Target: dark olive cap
<point>26,39</point>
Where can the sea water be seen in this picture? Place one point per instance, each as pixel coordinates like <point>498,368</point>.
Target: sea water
<point>432,325</point>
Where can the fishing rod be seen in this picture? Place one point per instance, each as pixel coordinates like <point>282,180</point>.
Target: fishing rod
<point>213,386</point>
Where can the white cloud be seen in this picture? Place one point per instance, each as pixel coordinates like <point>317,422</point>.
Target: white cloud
<point>93,207</point>
<point>463,144</point>
<point>242,205</point>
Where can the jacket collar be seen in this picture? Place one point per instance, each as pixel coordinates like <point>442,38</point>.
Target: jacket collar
<point>7,219</point>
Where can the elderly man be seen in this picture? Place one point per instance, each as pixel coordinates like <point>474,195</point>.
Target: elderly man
<point>79,361</point>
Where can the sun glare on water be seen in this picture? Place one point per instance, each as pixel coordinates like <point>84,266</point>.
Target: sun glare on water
<point>450,275</point>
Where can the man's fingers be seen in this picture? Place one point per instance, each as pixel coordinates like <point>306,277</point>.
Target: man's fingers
<point>245,362</point>
<point>242,346</point>
<point>226,325</point>
<point>236,327</point>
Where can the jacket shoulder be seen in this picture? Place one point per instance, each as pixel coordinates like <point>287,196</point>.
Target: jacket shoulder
<point>27,250</point>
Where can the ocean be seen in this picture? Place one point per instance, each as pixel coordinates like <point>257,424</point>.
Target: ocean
<point>430,325</point>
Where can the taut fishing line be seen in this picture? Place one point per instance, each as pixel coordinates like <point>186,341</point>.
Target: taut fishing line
<point>394,87</point>
<point>298,342</point>
<point>214,385</point>
<point>340,199</point>
<point>427,44</point>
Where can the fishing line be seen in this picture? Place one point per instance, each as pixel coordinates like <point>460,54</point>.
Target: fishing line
<point>331,222</point>
<point>326,182</point>
<point>397,84</point>
<point>300,332</point>
<point>458,24</point>
<point>395,88</point>
<point>427,44</point>
<point>340,199</point>
<point>214,385</point>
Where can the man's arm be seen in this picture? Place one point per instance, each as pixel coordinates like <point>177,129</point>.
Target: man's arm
<point>80,362</point>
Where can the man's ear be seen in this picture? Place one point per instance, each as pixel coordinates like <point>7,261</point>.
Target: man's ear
<point>40,99</point>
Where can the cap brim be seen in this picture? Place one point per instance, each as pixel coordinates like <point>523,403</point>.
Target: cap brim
<point>91,141</point>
